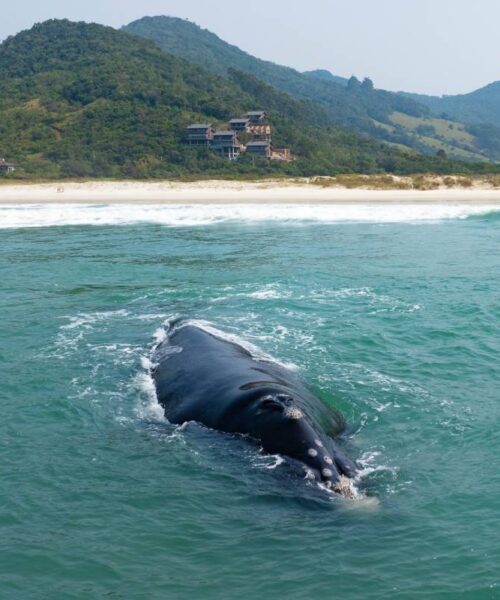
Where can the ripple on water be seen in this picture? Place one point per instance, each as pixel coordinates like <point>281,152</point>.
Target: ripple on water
<point>395,325</point>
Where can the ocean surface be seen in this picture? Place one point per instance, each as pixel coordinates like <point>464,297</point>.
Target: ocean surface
<point>390,313</point>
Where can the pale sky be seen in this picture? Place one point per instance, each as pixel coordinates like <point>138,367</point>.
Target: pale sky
<point>426,46</point>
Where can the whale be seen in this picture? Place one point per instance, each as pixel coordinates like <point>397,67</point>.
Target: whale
<point>200,375</point>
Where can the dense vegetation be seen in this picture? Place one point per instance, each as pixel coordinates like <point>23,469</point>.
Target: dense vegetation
<point>80,100</point>
<point>350,106</point>
<point>348,103</point>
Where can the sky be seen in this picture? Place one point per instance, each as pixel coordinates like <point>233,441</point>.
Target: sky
<point>427,46</point>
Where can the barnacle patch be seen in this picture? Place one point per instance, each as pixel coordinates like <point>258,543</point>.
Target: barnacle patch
<point>293,413</point>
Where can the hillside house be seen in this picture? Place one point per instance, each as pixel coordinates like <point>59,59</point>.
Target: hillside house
<point>227,142</point>
<point>200,134</point>
<point>239,124</point>
<point>257,116</point>
<point>6,167</point>
<point>261,132</point>
<point>260,149</point>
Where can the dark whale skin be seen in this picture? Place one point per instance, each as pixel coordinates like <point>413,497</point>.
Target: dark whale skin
<point>202,377</point>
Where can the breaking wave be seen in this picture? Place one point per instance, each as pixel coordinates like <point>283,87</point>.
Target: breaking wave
<point>51,215</point>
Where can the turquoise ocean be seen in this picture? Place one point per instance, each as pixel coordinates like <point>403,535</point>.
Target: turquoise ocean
<point>391,313</point>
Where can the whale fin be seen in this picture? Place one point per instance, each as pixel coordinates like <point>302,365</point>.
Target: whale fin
<point>332,422</point>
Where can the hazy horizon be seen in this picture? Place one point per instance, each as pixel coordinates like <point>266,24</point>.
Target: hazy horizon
<point>424,46</point>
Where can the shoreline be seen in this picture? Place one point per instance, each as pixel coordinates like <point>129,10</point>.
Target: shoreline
<point>237,192</point>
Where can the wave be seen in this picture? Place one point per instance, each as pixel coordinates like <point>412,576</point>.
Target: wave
<point>51,215</point>
<point>147,407</point>
<point>488,216</point>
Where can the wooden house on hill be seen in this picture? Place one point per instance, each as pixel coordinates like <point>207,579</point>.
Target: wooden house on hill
<point>257,116</point>
<point>223,137</point>
<point>227,142</point>
<point>260,149</point>
<point>6,167</point>
<point>239,124</point>
<point>200,134</point>
<point>261,132</point>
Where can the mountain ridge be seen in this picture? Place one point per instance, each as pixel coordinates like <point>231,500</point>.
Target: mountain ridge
<point>349,103</point>
<point>481,106</point>
<point>348,108</point>
<point>85,100</point>
<point>79,100</point>
<point>326,75</point>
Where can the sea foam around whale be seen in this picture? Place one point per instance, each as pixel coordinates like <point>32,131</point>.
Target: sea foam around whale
<point>49,215</point>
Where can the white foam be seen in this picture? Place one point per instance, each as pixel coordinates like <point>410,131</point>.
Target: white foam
<point>86,320</point>
<point>146,363</point>
<point>182,215</point>
<point>159,335</point>
<point>369,466</point>
<point>269,292</point>
<point>150,317</point>
<point>380,302</point>
<point>148,406</point>
<point>268,461</point>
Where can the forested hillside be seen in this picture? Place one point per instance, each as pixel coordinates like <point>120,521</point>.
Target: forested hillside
<point>353,104</point>
<point>479,107</point>
<point>80,100</point>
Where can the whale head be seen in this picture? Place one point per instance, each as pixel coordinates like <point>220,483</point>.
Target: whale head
<point>283,428</point>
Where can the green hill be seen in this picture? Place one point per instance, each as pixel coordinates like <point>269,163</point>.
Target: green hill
<point>348,103</point>
<point>473,114</point>
<point>80,100</point>
<point>478,107</point>
<point>480,110</point>
<point>354,106</point>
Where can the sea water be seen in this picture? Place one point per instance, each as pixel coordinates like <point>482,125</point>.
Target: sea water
<point>390,313</point>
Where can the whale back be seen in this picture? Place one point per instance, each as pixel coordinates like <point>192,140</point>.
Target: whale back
<point>202,377</point>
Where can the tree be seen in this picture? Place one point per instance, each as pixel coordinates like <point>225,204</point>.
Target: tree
<point>354,84</point>
<point>367,85</point>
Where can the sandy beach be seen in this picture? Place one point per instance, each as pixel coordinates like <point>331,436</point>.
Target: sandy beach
<point>228,192</point>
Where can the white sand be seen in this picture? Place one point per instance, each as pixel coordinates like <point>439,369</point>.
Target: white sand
<point>224,192</point>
